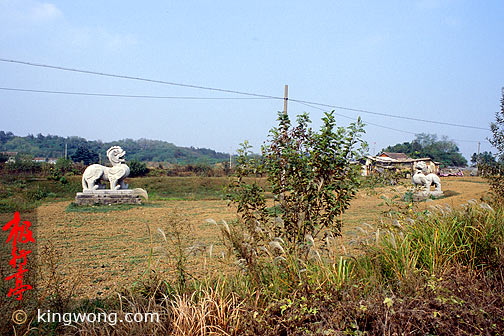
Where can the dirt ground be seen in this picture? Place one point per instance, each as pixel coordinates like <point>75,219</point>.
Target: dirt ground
<point>367,208</point>
<point>105,252</point>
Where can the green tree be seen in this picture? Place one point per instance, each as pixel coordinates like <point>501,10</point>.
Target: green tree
<point>494,173</point>
<point>85,155</point>
<point>485,158</point>
<point>23,164</point>
<point>4,137</point>
<point>310,176</point>
<point>497,129</point>
<point>141,150</point>
<point>442,150</point>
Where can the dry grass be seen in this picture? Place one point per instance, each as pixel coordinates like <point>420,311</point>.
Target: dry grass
<point>111,250</point>
<point>212,312</point>
<point>207,311</point>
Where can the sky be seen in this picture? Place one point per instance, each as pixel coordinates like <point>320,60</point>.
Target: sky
<point>439,60</point>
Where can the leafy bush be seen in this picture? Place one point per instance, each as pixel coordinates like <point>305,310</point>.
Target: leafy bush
<point>494,173</point>
<point>37,194</point>
<point>312,181</point>
<point>384,179</point>
<point>64,165</point>
<point>137,168</point>
<point>200,169</point>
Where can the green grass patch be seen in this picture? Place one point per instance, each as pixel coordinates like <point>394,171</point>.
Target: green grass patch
<point>22,193</point>
<point>472,181</point>
<point>72,207</point>
<point>181,188</point>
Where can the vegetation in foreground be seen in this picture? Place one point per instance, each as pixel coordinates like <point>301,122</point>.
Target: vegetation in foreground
<point>439,273</point>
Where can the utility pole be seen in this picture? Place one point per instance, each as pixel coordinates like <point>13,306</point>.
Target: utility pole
<point>286,98</point>
<point>282,177</point>
<point>478,155</point>
<point>66,150</point>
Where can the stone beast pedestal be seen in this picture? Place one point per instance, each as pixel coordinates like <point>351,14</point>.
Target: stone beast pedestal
<point>106,197</point>
<point>423,195</point>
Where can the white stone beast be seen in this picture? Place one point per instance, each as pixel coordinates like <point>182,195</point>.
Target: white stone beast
<point>115,174</point>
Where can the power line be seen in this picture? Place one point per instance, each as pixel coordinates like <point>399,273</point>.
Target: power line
<point>137,78</point>
<point>127,96</point>
<point>377,125</point>
<point>389,115</point>
<point>234,92</point>
<point>344,116</point>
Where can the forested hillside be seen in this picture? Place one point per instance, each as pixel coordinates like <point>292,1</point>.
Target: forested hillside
<point>53,146</point>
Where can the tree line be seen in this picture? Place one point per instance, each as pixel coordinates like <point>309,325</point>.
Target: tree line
<point>443,150</point>
<point>91,151</point>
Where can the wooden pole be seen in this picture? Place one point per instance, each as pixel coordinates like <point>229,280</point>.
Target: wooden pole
<point>478,155</point>
<point>286,97</point>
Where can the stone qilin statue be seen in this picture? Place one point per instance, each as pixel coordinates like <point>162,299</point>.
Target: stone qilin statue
<point>115,174</point>
<point>426,181</point>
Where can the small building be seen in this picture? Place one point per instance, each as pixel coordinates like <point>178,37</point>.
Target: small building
<point>396,162</point>
<point>46,160</point>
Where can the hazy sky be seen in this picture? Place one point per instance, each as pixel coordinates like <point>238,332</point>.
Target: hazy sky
<point>429,59</point>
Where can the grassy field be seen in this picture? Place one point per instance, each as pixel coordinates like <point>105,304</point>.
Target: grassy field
<point>105,249</point>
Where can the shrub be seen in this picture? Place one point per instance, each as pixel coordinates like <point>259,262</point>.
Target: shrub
<point>64,165</point>
<point>312,181</point>
<point>494,172</point>
<point>200,169</point>
<point>23,165</point>
<point>137,168</point>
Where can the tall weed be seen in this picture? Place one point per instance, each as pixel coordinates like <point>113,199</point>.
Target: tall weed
<point>433,242</point>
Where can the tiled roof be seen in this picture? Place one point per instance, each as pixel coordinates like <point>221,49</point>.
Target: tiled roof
<point>395,156</point>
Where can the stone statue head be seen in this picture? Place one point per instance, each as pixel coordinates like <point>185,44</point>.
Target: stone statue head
<point>422,166</point>
<point>115,155</point>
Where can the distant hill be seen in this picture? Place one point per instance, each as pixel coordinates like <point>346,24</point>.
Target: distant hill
<point>53,146</point>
